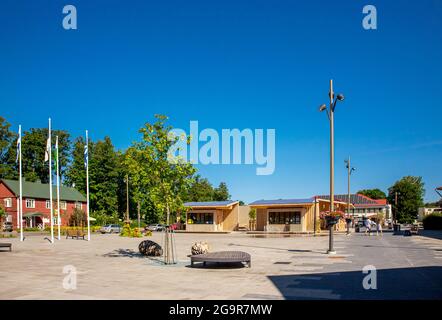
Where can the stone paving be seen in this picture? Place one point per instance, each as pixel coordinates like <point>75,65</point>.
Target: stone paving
<point>110,267</point>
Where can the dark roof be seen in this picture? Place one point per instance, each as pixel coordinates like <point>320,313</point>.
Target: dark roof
<point>281,201</point>
<point>210,203</point>
<point>355,199</point>
<point>41,190</point>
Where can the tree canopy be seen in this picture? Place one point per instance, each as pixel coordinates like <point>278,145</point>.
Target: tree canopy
<point>410,192</point>
<point>155,178</point>
<point>155,183</point>
<point>373,193</point>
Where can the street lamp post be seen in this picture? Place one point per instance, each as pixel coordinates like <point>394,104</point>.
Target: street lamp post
<point>395,207</point>
<point>127,198</point>
<point>350,169</point>
<point>330,114</point>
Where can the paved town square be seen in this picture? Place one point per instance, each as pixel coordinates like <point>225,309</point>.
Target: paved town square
<point>283,267</point>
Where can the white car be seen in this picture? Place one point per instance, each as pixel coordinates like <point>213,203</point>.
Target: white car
<point>111,228</point>
<point>155,227</point>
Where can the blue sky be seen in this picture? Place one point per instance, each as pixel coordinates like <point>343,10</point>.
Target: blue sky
<point>239,64</point>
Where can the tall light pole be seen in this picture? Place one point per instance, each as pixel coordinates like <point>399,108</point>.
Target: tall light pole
<point>127,198</point>
<point>330,114</point>
<point>350,169</point>
<point>395,207</point>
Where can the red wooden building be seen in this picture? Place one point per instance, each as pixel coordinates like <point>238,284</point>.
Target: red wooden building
<point>36,204</point>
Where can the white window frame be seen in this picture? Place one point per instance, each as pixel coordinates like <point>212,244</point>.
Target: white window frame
<point>30,203</point>
<point>63,205</point>
<point>8,202</point>
<point>48,204</point>
<point>78,205</point>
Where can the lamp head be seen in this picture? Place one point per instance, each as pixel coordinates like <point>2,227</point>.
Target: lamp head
<point>322,108</point>
<point>340,97</point>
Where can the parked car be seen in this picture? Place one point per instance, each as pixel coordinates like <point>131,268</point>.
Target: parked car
<point>174,226</point>
<point>155,227</point>
<point>111,228</point>
<point>7,226</point>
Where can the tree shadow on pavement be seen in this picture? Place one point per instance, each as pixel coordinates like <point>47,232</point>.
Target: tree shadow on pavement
<point>120,253</point>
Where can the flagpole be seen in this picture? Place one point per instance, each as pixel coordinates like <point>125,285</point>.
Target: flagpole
<point>87,186</point>
<point>20,207</point>
<point>50,182</point>
<point>58,189</point>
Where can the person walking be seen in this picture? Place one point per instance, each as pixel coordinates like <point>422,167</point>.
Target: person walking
<point>379,227</point>
<point>367,224</point>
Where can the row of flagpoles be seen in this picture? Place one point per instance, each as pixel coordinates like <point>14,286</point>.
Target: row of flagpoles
<point>48,157</point>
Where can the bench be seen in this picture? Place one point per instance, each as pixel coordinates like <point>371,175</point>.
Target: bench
<point>222,257</point>
<point>75,234</point>
<point>6,245</point>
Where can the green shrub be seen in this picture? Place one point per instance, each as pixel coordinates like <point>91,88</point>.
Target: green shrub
<point>7,235</point>
<point>63,229</point>
<point>129,232</point>
<point>433,221</point>
<point>136,233</point>
<point>148,233</point>
<point>126,231</point>
<point>35,229</point>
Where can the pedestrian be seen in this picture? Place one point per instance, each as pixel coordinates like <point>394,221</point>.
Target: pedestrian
<point>379,227</point>
<point>367,224</point>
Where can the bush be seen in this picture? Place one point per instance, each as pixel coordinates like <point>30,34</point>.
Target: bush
<point>148,233</point>
<point>63,229</point>
<point>7,235</point>
<point>129,232</point>
<point>433,221</point>
<point>35,229</point>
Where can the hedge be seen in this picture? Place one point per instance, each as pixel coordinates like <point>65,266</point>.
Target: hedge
<point>433,221</point>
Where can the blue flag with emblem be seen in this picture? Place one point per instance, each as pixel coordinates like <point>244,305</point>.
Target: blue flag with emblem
<point>86,156</point>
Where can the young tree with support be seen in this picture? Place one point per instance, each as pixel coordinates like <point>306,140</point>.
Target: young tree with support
<point>158,179</point>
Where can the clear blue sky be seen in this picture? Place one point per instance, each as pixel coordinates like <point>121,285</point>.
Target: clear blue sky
<point>239,64</point>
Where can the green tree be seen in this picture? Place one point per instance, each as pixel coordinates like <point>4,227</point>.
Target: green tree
<point>200,190</point>
<point>2,216</point>
<point>104,174</point>
<point>373,193</point>
<point>252,214</point>
<point>221,193</point>
<point>410,192</point>
<point>76,174</point>
<point>8,139</point>
<point>103,177</point>
<point>33,153</point>
<point>154,178</point>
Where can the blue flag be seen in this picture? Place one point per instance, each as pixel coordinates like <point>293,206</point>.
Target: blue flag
<point>86,156</point>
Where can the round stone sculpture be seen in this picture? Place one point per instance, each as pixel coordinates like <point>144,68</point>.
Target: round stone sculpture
<point>200,248</point>
<point>150,248</point>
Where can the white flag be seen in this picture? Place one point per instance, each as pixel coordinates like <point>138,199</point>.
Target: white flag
<point>18,144</point>
<point>48,149</point>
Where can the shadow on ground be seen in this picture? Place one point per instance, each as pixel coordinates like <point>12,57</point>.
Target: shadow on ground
<point>435,234</point>
<point>392,284</point>
<point>128,253</point>
<point>217,265</point>
<point>273,248</point>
